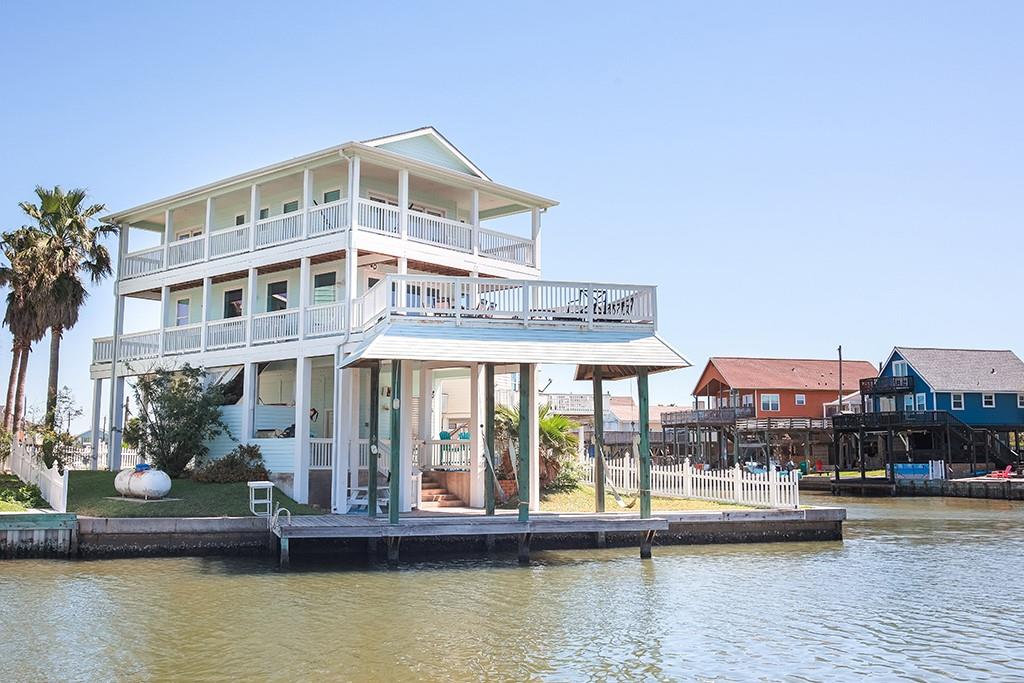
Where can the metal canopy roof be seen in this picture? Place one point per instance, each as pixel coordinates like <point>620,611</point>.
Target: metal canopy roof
<point>619,354</point>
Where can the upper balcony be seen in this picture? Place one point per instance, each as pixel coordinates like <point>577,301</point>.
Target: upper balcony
<point>395,211</point>
<point>420,299</point>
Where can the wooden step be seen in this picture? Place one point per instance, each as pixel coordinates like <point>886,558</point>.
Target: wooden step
<point>443,504</point>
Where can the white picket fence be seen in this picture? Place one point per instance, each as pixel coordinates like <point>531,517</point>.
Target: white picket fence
<point>771,489</point>
<point>51,481</point>
<point>80,457</point>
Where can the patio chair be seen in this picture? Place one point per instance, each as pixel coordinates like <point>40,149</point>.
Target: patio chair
<point>1001,474</point>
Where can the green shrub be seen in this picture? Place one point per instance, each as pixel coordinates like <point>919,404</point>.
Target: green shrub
<point>26,495</point>
<point>244,463</point>
<point>5,445</point>
<point>569,476</point>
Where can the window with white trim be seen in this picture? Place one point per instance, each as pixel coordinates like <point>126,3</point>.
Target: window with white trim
<point>899,368</point>
<point>186,234</point>
<point>748,400</point>
<point>290,207</point>
<point>240,219</point>
<point>921,402</point>
<point>988,400</point>
<point>1020,400</point>
<point>908,401</point>
<point>770,402</point>
<point>182,312</point>
<point>332,196</point>
<point>801,399</point>
<point>956,401</point>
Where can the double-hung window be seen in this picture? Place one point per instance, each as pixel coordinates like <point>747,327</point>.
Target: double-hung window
<point>899,368</point>
<point>801,399</point>
<point>956,401</point>
<point>921,402</point>
<point>323,288</point>
<point>181,312</point>
<point>988,400</point>
<point>908,401</point>
<point>1020,400</point>
<point>770,403</point>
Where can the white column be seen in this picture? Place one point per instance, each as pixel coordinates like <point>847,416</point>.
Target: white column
<point>535,221</point>
<point>534,442</point>
<point>97,403</point>
<point>303,375</point>
<point>116,382</point>
<point>340,430</point>
<point>403,269</point>
<point>405,469</point>
<point>352,251</point>
<point>307,199</point>
<point>248,401</point>
<point>403,203</point>
<point>474,219</point>
<point>168,233</point>
<point>116,425</point>
<point>353,422</point>
<point>426,411</point>
<point>209,228</point>
<point>477,468</point>
<point>204,313</point>
<point>254,214</point>
<point>165,295</point>
<point>303,294</point>
<point>250,304</point>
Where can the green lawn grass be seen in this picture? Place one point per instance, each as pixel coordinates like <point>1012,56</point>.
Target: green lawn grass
<point>88,493</point>
<point>582,500</point>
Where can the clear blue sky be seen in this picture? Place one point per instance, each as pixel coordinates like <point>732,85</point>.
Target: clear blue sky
<point>791,175</point>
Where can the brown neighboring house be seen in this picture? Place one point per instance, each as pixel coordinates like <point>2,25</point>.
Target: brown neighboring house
<point>779,387</point>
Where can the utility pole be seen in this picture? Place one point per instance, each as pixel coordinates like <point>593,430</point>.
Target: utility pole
<point>840,410</point>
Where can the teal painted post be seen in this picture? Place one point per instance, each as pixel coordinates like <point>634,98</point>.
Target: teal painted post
<point>374,448</point>
<point>645,445</point>
<point>489,474</point>
<point>598,441</point>
<point>395,480</point>
<point>525,381</point>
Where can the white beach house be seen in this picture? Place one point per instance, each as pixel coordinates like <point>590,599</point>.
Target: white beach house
<point>333,293</point>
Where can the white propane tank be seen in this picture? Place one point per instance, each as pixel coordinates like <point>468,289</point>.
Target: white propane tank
<point>142,482</point>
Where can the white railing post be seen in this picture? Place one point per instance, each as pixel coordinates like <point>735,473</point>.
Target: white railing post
<point>209,228</point>
<point>526,285</point>
<point>307,199</point>
<point>535,221</point>
<point>687,478</point>
<point>773,487</point>
<point>204,314</point>
<point>474,219</point>
<point>168,236</point>
<point>165,295</point>
<point>403,203</point>
<point>254,213</point>
<point>303,294</point>
<point>590,307</point>
<point>250,311</point>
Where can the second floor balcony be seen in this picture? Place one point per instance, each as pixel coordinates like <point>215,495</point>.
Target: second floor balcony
<point>414,299</point>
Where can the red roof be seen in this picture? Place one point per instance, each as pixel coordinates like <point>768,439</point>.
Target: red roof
<point>784,373</point>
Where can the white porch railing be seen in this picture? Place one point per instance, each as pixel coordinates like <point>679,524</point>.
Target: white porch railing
<point>378,217</point>
<point>736,485</point>
<point>505,247</point>
<point>186,251</point>
<point>328,218</point>
<point>325,319</point>
<point>275,326</point>
<point>320,452</point>
<point>496,301</point>
<point>102,349</point>
<point>184,339</point>
<point>52,483</point>
<point>143,262</point>
<point>569,404</point>
<point>278,229</point>
<point>440,231</point>
<point>227,242</point>
<point>448,454</point>
<point>80,457</point>
<point>225,334</point>
<point>139,345</point>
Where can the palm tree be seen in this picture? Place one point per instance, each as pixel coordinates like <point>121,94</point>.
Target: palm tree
<point>558,439</point>
<point>70,247</point>
<point>22,315</point>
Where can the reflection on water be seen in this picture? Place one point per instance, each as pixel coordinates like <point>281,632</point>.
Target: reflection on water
<point>921,589</point>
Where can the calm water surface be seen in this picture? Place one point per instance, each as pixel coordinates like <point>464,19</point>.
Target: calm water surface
<point>921,589</point>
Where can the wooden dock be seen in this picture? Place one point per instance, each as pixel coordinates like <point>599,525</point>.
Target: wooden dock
<point>469,524</point>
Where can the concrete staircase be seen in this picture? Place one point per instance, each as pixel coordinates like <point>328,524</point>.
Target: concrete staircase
<point>435,495</point>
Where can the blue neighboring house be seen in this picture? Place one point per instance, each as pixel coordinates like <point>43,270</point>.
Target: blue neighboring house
<point>981,388</point>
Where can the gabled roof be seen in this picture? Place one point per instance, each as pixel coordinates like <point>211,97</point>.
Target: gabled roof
<point>784,373</point>
<point>427,144</point>
<point>966,369</point>
<point>625,409</point>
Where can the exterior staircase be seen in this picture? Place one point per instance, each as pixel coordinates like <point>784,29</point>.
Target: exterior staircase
<point>435,495</point>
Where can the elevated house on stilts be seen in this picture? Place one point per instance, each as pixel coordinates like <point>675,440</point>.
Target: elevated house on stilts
<point>329,292</point>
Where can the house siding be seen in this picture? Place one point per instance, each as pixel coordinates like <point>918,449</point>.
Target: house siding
<point>816,400</point>
<point>921,386</point>
<point>1006,411</point>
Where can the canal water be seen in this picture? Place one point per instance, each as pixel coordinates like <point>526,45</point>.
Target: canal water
<point>922,589</point>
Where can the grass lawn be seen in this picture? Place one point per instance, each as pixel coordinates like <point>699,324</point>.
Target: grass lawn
<point>846,474</point>
<point>10,482</point>
<point>582,500</point>
<point>88,492</point>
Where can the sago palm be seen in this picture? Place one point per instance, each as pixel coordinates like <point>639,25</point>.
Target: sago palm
<point>70,247</point>
<point>558,439</point>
